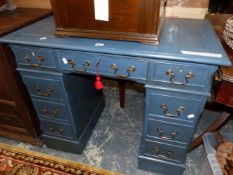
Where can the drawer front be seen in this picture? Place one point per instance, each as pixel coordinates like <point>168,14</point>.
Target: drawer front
<point>54,111</point>
<point>116,66</point>
<point>164,151</point>
<point>183,74</point>
<point>43,87</point>
<point>171,132</point>
<point>9,120</point>
<point>57,129</point>
<point>174,105</point>
<point>34,57</point>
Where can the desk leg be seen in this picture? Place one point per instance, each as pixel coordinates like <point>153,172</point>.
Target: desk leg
<point>122,85</point>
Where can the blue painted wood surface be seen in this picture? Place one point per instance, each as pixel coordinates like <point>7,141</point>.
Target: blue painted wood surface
<point>178,35</point>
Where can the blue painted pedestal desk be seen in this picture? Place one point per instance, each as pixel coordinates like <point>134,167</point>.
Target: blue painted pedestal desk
<point>178,73</point>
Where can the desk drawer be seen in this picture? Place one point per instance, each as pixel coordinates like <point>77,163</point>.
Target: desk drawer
<point>54,111</point>
<point>117,66</point>
<point>168,131</point>
<point>57,129</point>
<point>174,105</point>
<point>34,57</point>
<point>183,74</point>
<point>43,87</point>
<point>10,120</point>
<point>164,151</point>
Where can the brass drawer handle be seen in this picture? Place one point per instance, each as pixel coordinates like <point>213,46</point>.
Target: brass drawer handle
<point>130,69</point>
<point>27,58</point>
<point>162,134</point>
<point>179,110</point>
<point>39,60</point>
<point>53,114</point>
<point>171,75</point>
<point>45,93</point>
<point>157,150</point>
<point>84,67</point>
<point>168,154</point>
<point>56,130</point>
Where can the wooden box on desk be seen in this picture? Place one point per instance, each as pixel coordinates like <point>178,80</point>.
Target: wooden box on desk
<point>132,20</point>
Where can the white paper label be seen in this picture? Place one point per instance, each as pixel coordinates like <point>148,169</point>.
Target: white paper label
<point>205,54</point>
<point>64,60</point>
<point>99,44</point>
<point>190,116</point>
<point>101,10</point>
<point>43,38</point>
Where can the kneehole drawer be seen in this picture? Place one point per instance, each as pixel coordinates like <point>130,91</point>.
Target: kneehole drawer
<point>184,107</point>
<point>168,131</point>
<point>43,87</point>
<point>34,57</point>
<point>116,66</point>
<point>164,151</point>
<point>56,129</point>
<point>54,111</point>
<point>183,74</point>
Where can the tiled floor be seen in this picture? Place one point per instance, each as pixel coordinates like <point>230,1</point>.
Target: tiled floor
<point>115,141</point>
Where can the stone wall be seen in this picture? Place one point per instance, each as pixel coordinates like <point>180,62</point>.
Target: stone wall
<point>187,8</point>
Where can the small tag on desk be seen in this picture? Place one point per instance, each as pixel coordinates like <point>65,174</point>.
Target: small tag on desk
<point>101,10</point>
<point>99,44</point>
<point>43,38</point>
<point>190,116</point>
<point>64,60</point>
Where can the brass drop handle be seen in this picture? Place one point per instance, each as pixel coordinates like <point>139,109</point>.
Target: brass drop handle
<point>59,131</point>
<point>170,153</point>
<point>27,58</point>
<point>83,68</point>
<point>129,70</point>
<point>56,131</point>
<point>172,75</point>
<point>39,60</point>
<point>162,134</point>
<point>165,109</point>
<point>71,62</point>
<point>157,150</point>
<point>45,93</point>
<point>53,114</point>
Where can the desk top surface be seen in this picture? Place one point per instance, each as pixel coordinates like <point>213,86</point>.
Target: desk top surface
<point>181,40</point>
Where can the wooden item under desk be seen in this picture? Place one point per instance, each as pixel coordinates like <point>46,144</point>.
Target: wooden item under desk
<point>224,93</point>
<point>223,90</point>
<point>17,117</point>
<point>133,20</point>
